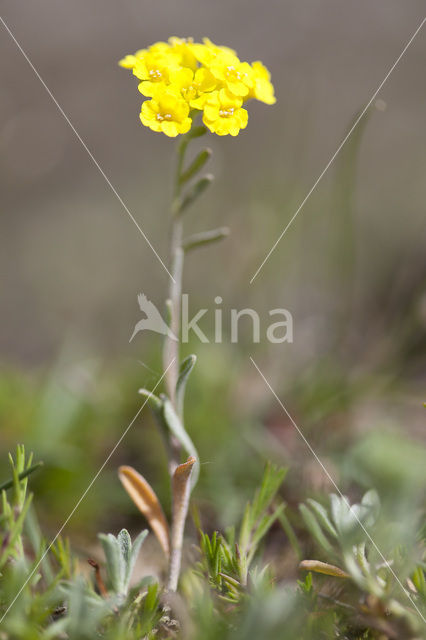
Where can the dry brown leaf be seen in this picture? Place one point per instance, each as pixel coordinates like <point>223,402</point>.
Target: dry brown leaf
<point>147,502</point>
<point>181,489</point>
<point>323,567</point>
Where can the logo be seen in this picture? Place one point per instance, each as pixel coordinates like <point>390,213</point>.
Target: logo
<point>153,320</point>
<point>275,332</point>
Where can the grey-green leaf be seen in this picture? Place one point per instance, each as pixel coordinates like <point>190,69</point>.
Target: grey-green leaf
<point>175,425</point>
<point>125,544</point>
<point>196,165</point>
<point>116,568</point>
<point>153,401</point>
<point>185,369</point>
<point>314,528</point>
<point>195,192</point>
<point>322,517</point>
<point>135,552</point>
<point>206,237</point>
<point>196,132</point>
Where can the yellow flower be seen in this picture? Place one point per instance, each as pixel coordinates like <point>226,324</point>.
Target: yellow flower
<point>208,51</point>
<point>183,49</point>
<point>128,62</point>
<point>193,85</point>
<point>236,76</point>
<point>167,112</point>
<point>223,114</point>
<point>154,69</point>
<point>263,89</point>
<point>160,48</point>
<point>182,75</point>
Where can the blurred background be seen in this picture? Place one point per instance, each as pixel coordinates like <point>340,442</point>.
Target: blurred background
<point>351,269</point>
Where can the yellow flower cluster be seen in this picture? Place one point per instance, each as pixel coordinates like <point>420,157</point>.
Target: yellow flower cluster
<point>183,78</point>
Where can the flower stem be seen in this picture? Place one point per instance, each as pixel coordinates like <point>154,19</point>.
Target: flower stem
<point>171,355</point>
<point>171,346</point>
<point>179,473</point>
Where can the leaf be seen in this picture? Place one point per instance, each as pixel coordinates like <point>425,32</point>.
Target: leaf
<point>125,545</point>
<point>347,518</point>
<point>153,401</point>
<point>340,512</point>
<point>371,502</point>
<point>115,563</point>
<point>323,567</point>
<point>306,586</point>
<point>262,529</point>
<point>272,479</point>
<point>289,531</point>
<point>147,502</point>
<point>185,369</point>
<point>206,237</point>
<point>15,532</point>
<point>195,192</point>
<point>180,481</point>
<point>196,165</point>
<point>175,425</point>
<point>181,489</point>
<point>136,547</point>
<point>256,520</point>
<point>194,132</point>
<point>322,516</point>
<point>419,580</point>
<point>314,528</point>
<point>156,406</point>
<point>9,483</point>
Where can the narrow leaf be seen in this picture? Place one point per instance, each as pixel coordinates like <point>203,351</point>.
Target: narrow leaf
<point>195,192</point>
<point>153,401</point>
<point>291,535</point>
<point>175,425</point>
<point>265,524</point>
<point>323,567</point>
<point>185,369</point>
<point>135,552</point>
<point>125,545</point>
<point>419,580</point>
<point>9,483</point>
<point>322,517</point>
<point>114,561</point>
<point>9,542</point>
<point>314,528</point>
<point>147,502</point>
<point>196,165</point>
<point>181,487</point>
<point>206,237</point>
<point>196,132</point>
<point>271,482</point>
<point>346,516</point>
